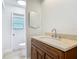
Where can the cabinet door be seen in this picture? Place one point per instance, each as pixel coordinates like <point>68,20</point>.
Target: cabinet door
<point>33,53</point>
<point>40,54</point>
<point>36,53</point>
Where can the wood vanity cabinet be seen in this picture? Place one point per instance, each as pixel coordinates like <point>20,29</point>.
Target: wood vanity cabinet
<point>40,50</point>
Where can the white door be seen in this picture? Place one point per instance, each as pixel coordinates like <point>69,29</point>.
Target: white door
<point>17,32</point>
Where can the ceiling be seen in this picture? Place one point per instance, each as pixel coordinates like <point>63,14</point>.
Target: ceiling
<point>13,3</point>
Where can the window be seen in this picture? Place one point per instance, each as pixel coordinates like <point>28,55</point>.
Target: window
<point>18,22</point>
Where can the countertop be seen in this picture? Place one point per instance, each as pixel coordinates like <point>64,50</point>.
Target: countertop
<point>61,44</point>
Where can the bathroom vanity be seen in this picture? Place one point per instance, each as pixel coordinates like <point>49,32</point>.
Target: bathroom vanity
<point>48,48</point>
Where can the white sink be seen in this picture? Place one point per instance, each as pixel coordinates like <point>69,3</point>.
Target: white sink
<point>49,37</point>
<point>45,37</point>
<point>60,43</point>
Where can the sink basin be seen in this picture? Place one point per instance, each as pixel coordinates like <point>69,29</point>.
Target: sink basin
<point>48,37</point>
<point>45,37</point>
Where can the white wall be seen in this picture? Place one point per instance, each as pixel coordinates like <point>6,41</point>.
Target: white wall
<point>59,14</point>
<point>34,8</point>
<point>34,18</point>
<point>7,11</point>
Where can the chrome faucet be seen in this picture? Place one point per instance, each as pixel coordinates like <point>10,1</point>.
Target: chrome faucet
<point>55,33</point>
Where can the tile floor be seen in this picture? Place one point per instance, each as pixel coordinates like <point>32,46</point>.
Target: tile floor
<point>14,55</point>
